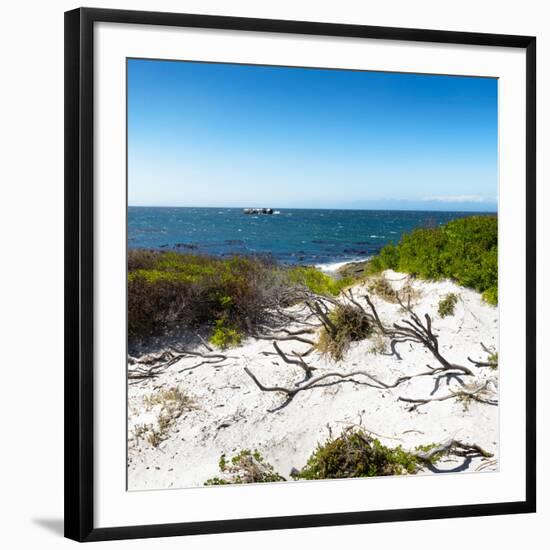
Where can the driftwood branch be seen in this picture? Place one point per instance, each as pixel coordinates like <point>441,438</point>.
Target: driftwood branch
<point>319,309</point>
<point>376,317</point>
<point>151,365</point>
<point>284,338</point>
<point>415,330</point>
<point>475,395</point>
<point>299,361</point>
<point>339,376</point>
<point>456,447</point>
<point>490,364</point>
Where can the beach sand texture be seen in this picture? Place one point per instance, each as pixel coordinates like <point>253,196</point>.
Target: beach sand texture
<point>229,412</point>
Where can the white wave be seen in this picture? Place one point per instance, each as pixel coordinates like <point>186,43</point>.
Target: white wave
<point>332,267</point>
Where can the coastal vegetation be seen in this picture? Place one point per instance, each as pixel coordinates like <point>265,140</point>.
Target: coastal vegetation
<point>245,467</point>
<point>447,304</point>
<point>380,333</point>
<point>356,454</point>
<point>170,404</point>
<point>464,250</point>
<point>345,324</point>
<point>353,454</point>
<point>317,281</point>
<point>233,296</point>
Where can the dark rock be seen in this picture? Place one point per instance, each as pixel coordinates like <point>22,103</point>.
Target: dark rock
<point>258,211</point>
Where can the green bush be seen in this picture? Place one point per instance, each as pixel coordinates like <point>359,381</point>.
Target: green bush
<point>447,305</point>
<point>317,281</point>
<point>356,454</point>
<point>491,295</point>
<point>464,250</point>
<point>225,336</point>
<point>189,290</point>
<point>166,289</point>
<point>387,258</point>
<point>245,467</point>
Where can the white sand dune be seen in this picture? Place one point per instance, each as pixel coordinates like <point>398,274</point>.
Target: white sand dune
<point>232,413</point>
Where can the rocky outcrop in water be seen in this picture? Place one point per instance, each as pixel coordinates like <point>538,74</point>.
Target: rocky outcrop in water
<point>258,211</point>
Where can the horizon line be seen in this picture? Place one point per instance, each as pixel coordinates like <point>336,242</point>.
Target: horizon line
<point>495,211</point>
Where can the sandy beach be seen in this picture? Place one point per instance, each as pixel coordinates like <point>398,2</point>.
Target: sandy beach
<point>176,443</point>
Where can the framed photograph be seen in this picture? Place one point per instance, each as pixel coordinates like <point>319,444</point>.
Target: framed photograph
<point>300,274</point>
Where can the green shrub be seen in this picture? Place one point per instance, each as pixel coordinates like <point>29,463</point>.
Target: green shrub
<point>491,295</point>
<point>317,281</point>
<point>245,467</point>
<point>464,250</point>
<point>347,323</point>
<point>170,288</point>
<point>447,305</point>
<point>387,258</point>
<point>356,454</point>
<point>225,336</point>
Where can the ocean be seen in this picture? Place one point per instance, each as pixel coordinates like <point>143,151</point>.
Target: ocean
<point>326,238</point>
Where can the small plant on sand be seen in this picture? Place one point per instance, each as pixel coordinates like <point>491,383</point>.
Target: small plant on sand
<point>379,345</point>
<point>409,294</point>
<point>382,288</point>
<point>171,403</point>
<point>492,357</point>
<point>447,305</point>
<point>346,323</point>
<point>170,398</point>
<point>356,454</point>
<point>225,336</point>
<point>141,431</point>
<point>471,393</point>
<point>245,467</point>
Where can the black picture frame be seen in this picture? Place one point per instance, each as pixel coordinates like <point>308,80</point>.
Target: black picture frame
<point>79,269</point>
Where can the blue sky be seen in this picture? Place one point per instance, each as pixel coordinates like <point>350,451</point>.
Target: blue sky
<point>207,134</point>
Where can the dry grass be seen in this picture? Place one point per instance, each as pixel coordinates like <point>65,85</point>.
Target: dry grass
<point>409,294</point>
<point>171,403</point>
<point>472,393</point>
<point>348,324</point>
<point>382,288</point>
<point>379,344</point>
<point>171,397</point>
